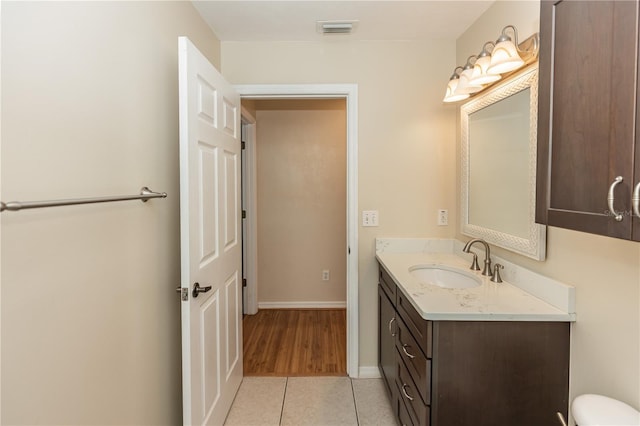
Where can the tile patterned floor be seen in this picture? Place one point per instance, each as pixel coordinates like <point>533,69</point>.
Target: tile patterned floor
<point>317,401</point>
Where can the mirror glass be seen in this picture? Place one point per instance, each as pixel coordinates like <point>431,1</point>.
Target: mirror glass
<point>498,166</point>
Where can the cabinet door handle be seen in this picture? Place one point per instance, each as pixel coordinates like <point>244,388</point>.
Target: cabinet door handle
<point>611,199</point>
<point>391,331</point>
<point>404,349</point>
<point>404,392</point>
<point>635,200</point>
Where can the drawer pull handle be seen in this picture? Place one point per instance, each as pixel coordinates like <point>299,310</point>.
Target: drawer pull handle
<point>611,199</point>
<point>391,332</point>
<point>404,349</point>
<point>636,200</point>
<point>404,392</point>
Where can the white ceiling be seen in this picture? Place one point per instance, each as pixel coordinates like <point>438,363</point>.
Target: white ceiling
<point>291,20</point>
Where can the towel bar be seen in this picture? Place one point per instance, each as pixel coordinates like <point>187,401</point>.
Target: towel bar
<point>145,194</point>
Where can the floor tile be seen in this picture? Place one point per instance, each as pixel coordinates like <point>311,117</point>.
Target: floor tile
<point>372,403</point>
<point>319,401</point>
<point>258,402</point>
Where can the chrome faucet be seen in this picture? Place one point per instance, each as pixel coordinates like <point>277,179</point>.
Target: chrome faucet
<point>487,256</point>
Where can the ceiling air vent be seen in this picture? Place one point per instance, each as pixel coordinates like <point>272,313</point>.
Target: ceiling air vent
<point>336,27</point>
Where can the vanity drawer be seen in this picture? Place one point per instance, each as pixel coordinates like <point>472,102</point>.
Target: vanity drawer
<point>418,411</point>
<point>387,283</point>
<point>421,329</point>
<point>404,419</point>
<point>416,362</point>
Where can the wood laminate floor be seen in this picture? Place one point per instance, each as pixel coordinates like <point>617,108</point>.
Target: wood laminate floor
<point>290,342</point>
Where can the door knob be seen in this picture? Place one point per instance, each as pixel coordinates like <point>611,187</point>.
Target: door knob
<point>197,289</point>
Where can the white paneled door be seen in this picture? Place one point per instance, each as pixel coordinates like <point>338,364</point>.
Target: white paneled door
<point>210,229</point>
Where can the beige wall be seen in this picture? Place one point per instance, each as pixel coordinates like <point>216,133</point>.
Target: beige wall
<point>90,317</point>
<point>249,105</point>
<point>301,172</point>
<point>406,138</point>
<point>605,348</point>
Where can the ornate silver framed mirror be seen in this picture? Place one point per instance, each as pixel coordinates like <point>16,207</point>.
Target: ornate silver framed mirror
<point>498,165</point>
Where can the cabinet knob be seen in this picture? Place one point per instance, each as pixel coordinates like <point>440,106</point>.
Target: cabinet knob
<point>611,199</point>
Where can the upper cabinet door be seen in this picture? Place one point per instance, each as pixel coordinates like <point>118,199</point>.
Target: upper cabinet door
<point>635,211</point>
<point>587,115</point>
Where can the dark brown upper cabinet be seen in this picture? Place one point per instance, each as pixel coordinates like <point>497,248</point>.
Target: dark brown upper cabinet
<point>587,117</point>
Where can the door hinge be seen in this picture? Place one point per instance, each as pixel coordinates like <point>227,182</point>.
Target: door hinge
<point>244,282</point>
<point>244,214</point>
<point>243,145</point>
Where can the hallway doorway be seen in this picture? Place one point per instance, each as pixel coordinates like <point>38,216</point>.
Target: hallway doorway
<point>302,288</point>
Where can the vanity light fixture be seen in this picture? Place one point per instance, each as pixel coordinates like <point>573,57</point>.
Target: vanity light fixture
<point>494,62</point>
<point>450,95</point>
<point>480,75</point>
<point>505,56</point>
<point>465,87</point>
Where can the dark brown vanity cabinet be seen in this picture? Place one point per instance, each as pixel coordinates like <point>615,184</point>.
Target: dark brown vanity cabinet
<point>470,373</point>
<point>387,326</point>
<point>587,117</point>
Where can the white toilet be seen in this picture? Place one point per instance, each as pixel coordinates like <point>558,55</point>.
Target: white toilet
<point>598,410</point>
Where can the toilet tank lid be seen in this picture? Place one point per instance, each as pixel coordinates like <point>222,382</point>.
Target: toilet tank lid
<point>599,410</point>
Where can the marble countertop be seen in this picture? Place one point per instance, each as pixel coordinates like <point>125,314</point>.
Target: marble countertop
<point>488,302</point>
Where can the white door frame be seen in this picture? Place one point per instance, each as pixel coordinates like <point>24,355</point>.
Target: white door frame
<point>349,92</point>
<point>250,223</point>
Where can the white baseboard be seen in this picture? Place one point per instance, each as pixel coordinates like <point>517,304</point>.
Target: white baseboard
<point>302,305</point>
<point>369,372</point>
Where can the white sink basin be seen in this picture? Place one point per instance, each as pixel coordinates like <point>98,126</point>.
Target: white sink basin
<point>444,276</point>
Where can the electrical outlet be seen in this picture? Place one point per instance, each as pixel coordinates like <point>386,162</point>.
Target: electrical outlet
<point>370,218</point>
<point>443,217</point>
<point>325,275</point>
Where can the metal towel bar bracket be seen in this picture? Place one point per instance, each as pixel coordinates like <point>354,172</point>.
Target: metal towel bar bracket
<point>145,194</point>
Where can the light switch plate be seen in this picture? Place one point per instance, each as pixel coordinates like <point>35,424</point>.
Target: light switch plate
<point>370,218</point>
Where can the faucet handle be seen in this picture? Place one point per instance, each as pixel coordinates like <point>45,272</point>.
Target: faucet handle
<point>496,278</point>
<point>474,263</point>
